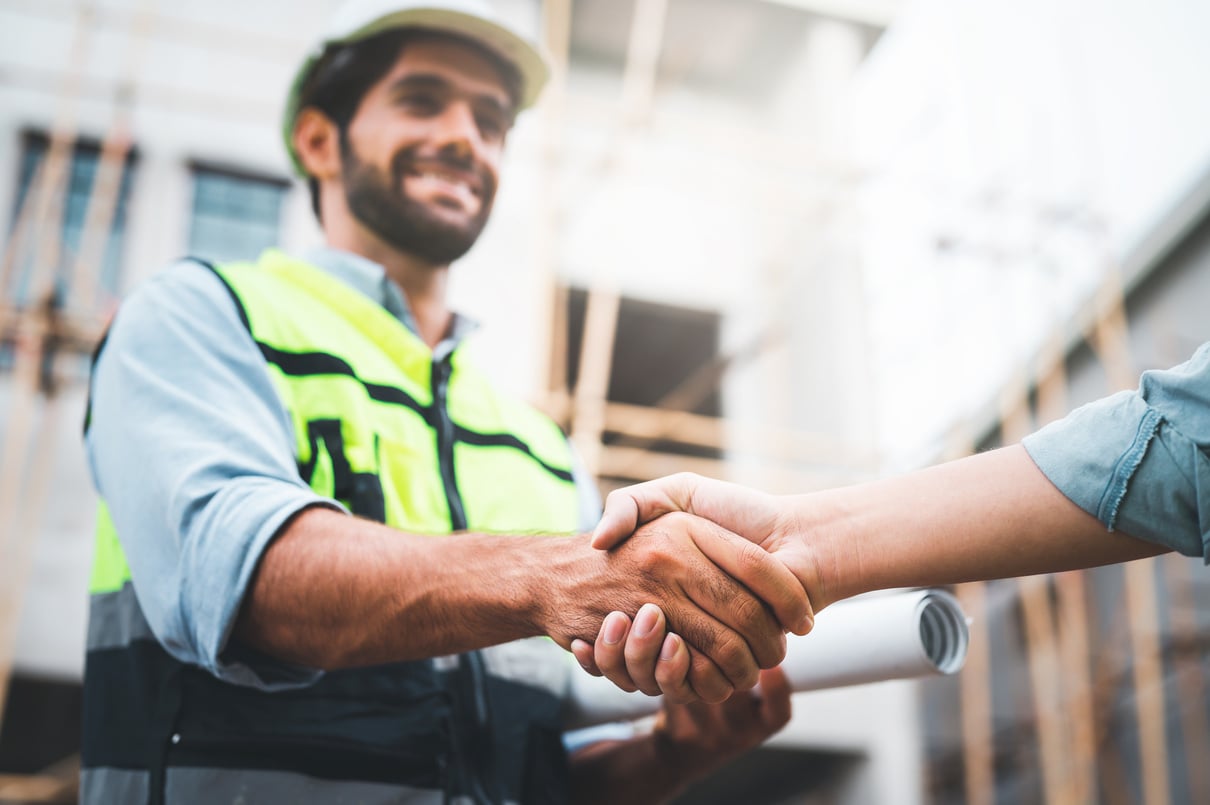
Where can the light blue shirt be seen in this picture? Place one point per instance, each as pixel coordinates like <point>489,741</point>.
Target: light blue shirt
<point>193,452</point>
<point>1137,460</point>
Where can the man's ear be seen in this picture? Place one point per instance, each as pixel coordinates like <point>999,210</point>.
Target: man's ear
<point>317,143</point>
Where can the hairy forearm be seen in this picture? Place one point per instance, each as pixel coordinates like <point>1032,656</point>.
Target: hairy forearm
<point>992,515</point>
<point>334,591</point>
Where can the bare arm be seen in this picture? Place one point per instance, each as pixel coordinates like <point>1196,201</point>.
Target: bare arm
<point>335,591</point>
<point>992,515</point>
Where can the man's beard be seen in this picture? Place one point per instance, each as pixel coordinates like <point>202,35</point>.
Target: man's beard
<point>381,204</point>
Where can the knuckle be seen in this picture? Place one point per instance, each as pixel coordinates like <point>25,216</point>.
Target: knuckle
<point>733,657</point>
<point>677,520</point>
<point>752,558</point>
<point>750,612</point>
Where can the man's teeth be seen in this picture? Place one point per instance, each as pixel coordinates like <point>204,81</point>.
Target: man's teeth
<point>447,178</point>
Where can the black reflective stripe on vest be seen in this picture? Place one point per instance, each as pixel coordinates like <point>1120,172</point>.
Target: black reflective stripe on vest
<point>507,440</point>
<point>361,490</point>
<point>303,364</point>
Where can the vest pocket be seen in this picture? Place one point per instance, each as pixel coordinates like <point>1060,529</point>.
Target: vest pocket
<point>358,489</point>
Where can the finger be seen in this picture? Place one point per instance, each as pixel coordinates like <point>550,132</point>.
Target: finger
<point>583,654</point>
<point>733,626</point>
<point>628,508</point>
<point>758,570</point>
<point>775,707</point>
<point>609,650</point>
<point>706,679</point>
<point>672,671</point>
<point>642,648</point>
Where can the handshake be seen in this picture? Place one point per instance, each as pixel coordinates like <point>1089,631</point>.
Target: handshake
<point>716,574</point>
<point>714,578</point>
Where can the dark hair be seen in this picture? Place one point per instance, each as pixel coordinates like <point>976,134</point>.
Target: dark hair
<point>344,74</point>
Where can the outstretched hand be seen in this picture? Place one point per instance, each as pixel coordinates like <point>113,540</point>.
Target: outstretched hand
<point>763,519</point>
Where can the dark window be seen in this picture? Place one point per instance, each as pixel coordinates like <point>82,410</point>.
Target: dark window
<point>235,216</point>
<point>663,357</point>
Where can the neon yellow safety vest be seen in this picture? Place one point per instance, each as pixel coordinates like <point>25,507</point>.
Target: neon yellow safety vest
<point>427,446</point>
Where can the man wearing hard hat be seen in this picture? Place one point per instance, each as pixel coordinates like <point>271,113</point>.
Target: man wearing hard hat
<point>310,583</point>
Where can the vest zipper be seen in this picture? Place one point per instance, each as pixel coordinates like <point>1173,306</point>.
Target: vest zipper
<point>475,714</point>
<point>445,442</point>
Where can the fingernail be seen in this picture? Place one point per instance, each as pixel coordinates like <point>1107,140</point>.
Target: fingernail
<point>805,626</point>
<point>575,644</point>
<point>669,649</point>
<point>615,627</point>
<point>644,622</point>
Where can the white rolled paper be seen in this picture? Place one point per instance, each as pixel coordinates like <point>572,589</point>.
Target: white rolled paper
<point>870,639</point>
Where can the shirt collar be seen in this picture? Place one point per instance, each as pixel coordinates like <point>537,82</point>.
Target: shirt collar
<point>370,279</point>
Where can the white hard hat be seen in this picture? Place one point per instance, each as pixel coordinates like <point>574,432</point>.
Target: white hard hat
<point>469,19</point>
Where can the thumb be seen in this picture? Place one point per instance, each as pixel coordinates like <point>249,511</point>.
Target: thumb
<point>618,521</point>
<point>629,507</point>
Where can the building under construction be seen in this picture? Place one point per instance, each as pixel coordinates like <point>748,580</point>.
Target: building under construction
<point>791,243</point>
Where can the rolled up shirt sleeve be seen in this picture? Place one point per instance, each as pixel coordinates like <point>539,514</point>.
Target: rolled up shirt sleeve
<point>193,452</point>
<point>1137,460</point>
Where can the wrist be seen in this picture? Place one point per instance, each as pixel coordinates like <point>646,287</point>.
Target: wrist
<point>824,534</point>
<point>560,571</point>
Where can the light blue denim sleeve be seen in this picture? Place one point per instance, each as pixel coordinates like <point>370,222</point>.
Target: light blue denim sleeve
<point>1137,460</point>
<point>192,450</point>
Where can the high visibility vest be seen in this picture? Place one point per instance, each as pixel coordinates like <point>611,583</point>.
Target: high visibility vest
<point>426,446</point>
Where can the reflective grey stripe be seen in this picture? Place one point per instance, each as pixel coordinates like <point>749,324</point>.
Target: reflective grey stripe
<point>104,786</point>
<point>535,661</point>
<point>186,786</point>
<point>116,619</point>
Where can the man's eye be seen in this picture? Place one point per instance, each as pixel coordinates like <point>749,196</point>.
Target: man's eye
<point>491,125</point>
<point>420,103</point>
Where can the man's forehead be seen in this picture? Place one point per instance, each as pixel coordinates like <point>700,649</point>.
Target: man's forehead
<point>461,64</point>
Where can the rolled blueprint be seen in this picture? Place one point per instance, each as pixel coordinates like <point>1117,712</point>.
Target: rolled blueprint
<point>870,639</point>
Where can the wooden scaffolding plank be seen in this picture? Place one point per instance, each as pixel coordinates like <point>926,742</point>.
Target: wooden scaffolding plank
<point>975,691</point>
<point>592,385</point>
<point>556,33</point>
<point>1042,654</point>
<point>1073,631</point>
<point>601,314</point>
<point>1110,341</point>
<point>1187,668</point>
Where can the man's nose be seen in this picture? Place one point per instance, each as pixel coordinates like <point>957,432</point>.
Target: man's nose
<point>457,131</point>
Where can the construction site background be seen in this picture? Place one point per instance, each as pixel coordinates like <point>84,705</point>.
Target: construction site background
<point>791,243</point>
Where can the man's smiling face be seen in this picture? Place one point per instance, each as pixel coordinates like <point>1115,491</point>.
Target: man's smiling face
<point>421,156</point>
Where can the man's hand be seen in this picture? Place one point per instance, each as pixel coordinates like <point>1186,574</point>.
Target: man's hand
<point>694,739</point>
<point>688,742</point>
<point>763,519</point>
<point>688,567</point>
